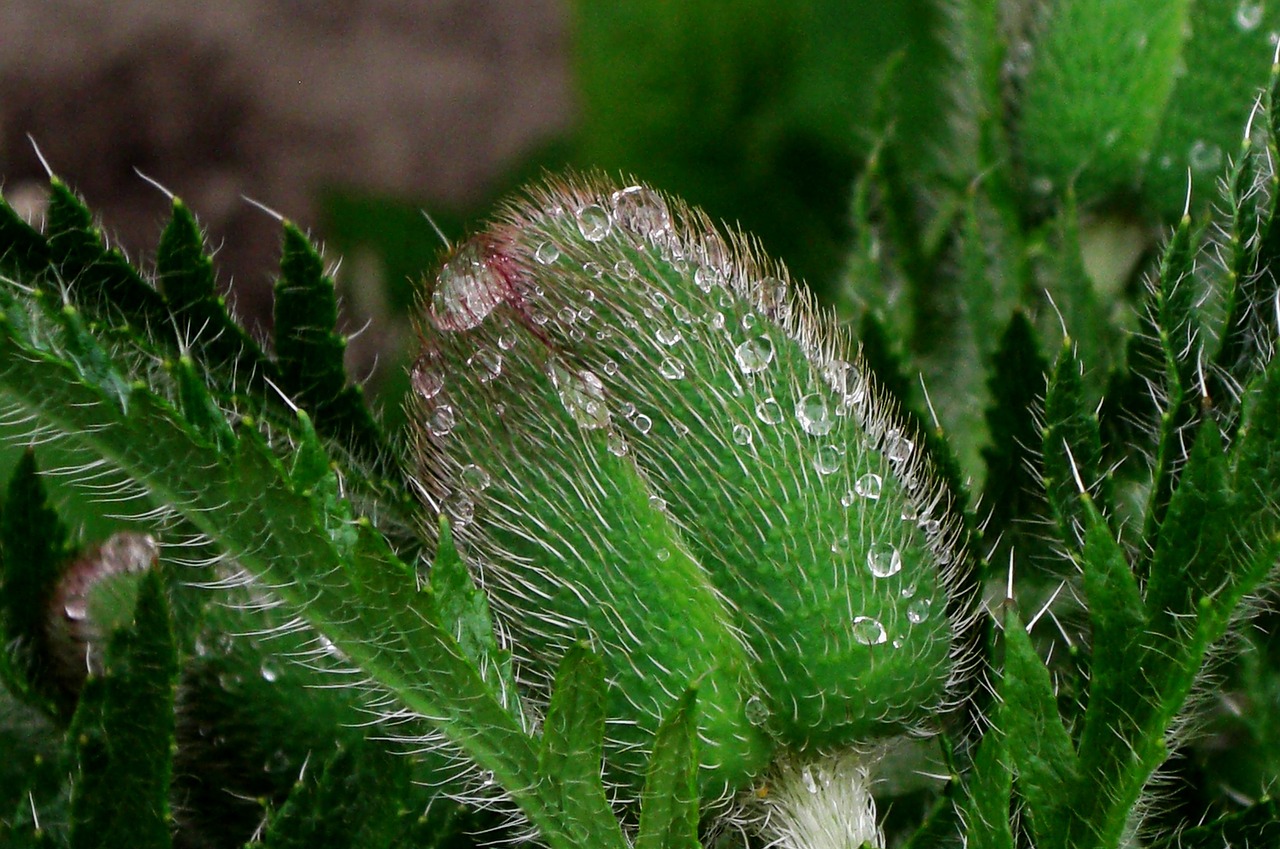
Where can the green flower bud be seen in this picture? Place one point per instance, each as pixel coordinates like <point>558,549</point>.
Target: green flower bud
<point>646,437</point>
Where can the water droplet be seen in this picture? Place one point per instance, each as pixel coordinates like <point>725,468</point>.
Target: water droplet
<point>897,447</point>
<point>930,526</point>
<point>769,411</point>
<point>682,314</point>
<point>610,367</point>
<point>918,610</point>
<point>741,434</point>
<point>642,423</point>
<point>806,775</point>
<point>909,591</point>
<point>1204,156</point>
<point>441,421</point>
<point>269,673</point>
<point>487,363</point>
<point>754,355</point>
<point>1042,186</point>
<point>840,544</point>
<point>814,414</point>
<point>659,300</point>
<point>671,368</point>
<point>656,502</point>
<point>460,507</point>
<point>1249,15</point>
<point>594,269</point>
<point>467,289</point>
<point>593,222</point>
<point>868,631</point>
<point>507,341</point>
<point>617,444</point>
<point>427,382</point>
<point>624,269</point>
<point>869,486</point>
<point>716,321</point>
<point>663,554</point>
<point>474,478</point>
<point>884,560</point>
<point>76,609</point>
<point>586,314</point>
<point>582,395</point>
<point>748,321</point>
<point>706,278</point>
<point>827,460</point>
<point>773,298</point>
<point>546,253</point>
<point>757,711</point>
<point>847,499</point>
<point>668,335</point>
<point>641,210</point>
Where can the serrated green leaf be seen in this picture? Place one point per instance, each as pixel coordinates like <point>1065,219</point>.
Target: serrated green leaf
<point>1072,446</point>
<point>1191,548</point>
<point>1256,826</point>
<point>354,799</point>
<point>341,574</point>
<point>33,547</point>
<point>1037,743</point>
<point>986,806</point>
<point>103,281</point>
<point>464,612</point>
<point>184,271</point>
<point>123,734</point>
<point>1017,384</point>
<point>1118,746</point>
<point>1178,331</point>
<point>572,746</point>
<point>310,354</point>
<point>24,253</point>
<point>669,804</point>
<point>1101,74</point>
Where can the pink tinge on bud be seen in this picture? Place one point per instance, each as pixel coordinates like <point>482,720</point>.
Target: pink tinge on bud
<point>476,279</point>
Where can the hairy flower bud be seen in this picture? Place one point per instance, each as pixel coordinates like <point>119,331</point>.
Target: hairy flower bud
<point>646,437</point>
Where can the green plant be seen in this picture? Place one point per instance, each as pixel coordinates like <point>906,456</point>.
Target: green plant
<point>659,559</point>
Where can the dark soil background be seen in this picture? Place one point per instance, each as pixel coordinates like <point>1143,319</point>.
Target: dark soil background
<point>278,101</point>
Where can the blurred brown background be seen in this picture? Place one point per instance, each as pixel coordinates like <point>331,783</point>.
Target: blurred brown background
<point>275,100</point>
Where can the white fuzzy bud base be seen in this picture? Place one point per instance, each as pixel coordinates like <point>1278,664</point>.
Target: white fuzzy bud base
<point>819,802</point>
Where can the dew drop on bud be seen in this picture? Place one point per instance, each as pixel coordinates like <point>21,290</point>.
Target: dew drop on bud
<point>869,486</point>
<point>426,380</point>
<point>814,414</point>
<point>77,609</point>
<point>884,560</point>
<point>641,210</point>
<point>671,368</point>
<point>474,478</point>
<point>757,711</point>
<point>593,222</point>
<point>754,355</point>
<point>487,363</point>
<point>547,253</point>
<point>617,444</point>
<point>582,395</point>
<point>668,335</point>
<point>868,631</point>
<point>642,423</point>
<point>918,610</point>
<point>741,434</point>
<point>897,447</point>
<point>827,460</point>
<point>769,411</point>
<point>467,289</point>
<point>442,421</point>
